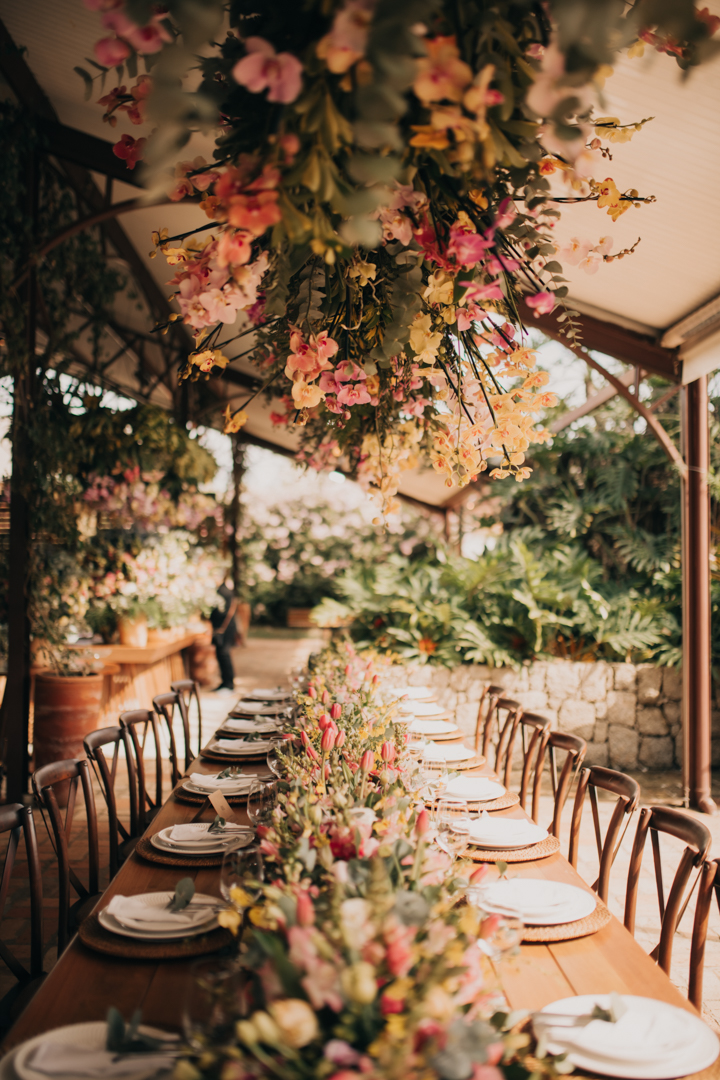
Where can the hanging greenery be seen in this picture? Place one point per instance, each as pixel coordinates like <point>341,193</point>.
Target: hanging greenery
<point>382,200</point>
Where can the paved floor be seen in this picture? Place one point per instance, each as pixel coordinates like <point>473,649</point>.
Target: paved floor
<point>265,662</point>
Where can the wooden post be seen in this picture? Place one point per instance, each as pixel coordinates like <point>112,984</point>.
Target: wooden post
<point>697,685</point>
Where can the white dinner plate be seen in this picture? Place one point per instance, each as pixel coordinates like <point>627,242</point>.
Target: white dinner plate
<point>539,902</point>
<point>269,695</point>
<point>248,726</point>
<point>472,789</point>
<point>87,1036</point>
<point>197,790</point>
<point>678,1042</point>
<point>412,693</point>
<point>254,708</point>
<point>243,749</point>
<point>501,834</point>
<point>161,899</point>
<point>439,753</point>
<point>433,727</point>
<point>425,710</point>
<point>162,842</point>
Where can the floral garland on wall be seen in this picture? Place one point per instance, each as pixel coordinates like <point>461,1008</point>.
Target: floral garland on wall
<point>382,203</point>
<point>359,952</point>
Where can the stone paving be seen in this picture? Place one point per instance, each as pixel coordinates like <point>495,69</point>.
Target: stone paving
<point>265,662</point>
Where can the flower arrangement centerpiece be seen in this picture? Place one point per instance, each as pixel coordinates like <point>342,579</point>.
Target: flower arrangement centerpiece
<point>382,201</point>
<point>359,951</point>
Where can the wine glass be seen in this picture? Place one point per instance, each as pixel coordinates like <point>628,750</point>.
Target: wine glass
<point>274,763</point>
<point>212,1003</point>
<point>260,804</point>
<point>451,822</point>
<point>500,932</point>
<point>241,870</point>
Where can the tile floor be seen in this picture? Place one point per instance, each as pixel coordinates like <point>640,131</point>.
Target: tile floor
<point>265,662</point>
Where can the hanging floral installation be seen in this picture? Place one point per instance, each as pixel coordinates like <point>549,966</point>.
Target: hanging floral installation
<point>381,205</point>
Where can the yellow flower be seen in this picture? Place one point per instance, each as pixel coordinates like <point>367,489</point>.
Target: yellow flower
<point>364,272</point>
<point>602,74</point>
<point>358,983</point>
<point>638,49</point>
<point>239,897</point>
<point>395,1025</point>
<point>372,385</point>
<point>610,198</point>
<point>306,396</point>
<point>297,1022</point>
<point>233,421</point>
<point>439,288</point>
<point>230,919</point>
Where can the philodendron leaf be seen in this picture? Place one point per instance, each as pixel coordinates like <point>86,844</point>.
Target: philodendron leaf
<point>218,824</point>
<point>184,892</point>
<point>115,1037</point>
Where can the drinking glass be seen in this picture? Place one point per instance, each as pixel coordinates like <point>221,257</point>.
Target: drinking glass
<point>260,804</point>
<point>274,763</point>
<point>500,931</point>
<point>451,823</point>
<point>241,866</point>
<point>212,1003</point>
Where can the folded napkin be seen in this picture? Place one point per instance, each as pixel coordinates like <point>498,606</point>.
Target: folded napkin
<point>250,726</point>
<point>473,788</point>
<point>135,913</point>
<point>256,708</point>
<point>641,1035</point>
<point>54,1058</point>
<point>197,833</point>
<point>452,752</point>
<point>502,831</point>
<point>228,784</point>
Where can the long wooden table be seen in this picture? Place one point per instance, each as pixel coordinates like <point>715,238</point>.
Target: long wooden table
<point>84,984</point>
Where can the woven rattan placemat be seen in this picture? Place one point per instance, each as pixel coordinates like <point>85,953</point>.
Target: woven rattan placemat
<point>546,847</point>
<point>150,853</point>
<point>567,931</point>
<point>96,937</point>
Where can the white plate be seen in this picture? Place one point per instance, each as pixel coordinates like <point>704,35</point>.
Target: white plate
<point>434,727</point>
<point>243,749</point>
<point>242,726</point>
<point>427,710</point>
<point>472,789</point>
<point>269,695</point>
<point>161,841</point>
<point>438,754</point>
<point>412,693</point>
<point>253,708</point>
<point>88,1036</point>
<point>197,790</point>
<point>161,899</point>
<point>539,902</point>
<point>697,1046</point>
<point>489,837</point>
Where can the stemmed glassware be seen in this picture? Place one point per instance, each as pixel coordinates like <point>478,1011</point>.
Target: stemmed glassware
<point>241,870</point>
<point>451,821</point>
<point>212,1004</point>
<point>260,804</point>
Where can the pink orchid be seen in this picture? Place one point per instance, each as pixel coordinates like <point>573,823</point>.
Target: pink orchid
<point>542,303</point>
<point>491,291</point>
<point>129,150</point>
<point>468,247</point>
<point>341,1053</point>
<point>111,52</point>
<point>398,950</point>
<point>254,213</point>
<point>234,248</point>
<point>264,69</point>
<point>322,986</point>
<point>348,370</point>
<point>325,346</point>
<point>354,394</point>
<point>327,382</point>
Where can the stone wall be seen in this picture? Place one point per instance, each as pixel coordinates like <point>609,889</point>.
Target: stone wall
<point>629,714</point>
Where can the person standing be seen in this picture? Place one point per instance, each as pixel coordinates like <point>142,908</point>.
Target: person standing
<point>224,636</point>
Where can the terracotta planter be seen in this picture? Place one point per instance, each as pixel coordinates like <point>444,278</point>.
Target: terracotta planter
<point>67,707</point>
<point>133,632</point>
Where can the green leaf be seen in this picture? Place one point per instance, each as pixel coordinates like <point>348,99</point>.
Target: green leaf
<point>184,892</point>
<point>501,867</point>
<point>87,79</point>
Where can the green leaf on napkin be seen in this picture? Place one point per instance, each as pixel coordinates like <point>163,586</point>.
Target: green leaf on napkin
<point>128,1040</point>
<point>218,824</point>
<point>615,1010</point>
<point>184,892</point>
<point>229,773</point>
<point>501,867</point>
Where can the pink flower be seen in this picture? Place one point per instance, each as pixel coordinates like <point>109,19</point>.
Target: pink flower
<point>341,1053</point>
<point>322,985</point>
<point>353,394</point>
<point>388,752</point>
<point>130,150</point>
<point>367,761</point>
<point>234,248</point>
<point>305,909</point>
<point>422,824</point>
<point>340,739</point>
<point>328,740</point>
<point>398,952</point>
<point>467,247</point>
<point>542,302</point>
<point>254,213</point>
<point>264,69</point>
<point>336,710</point>
<point>110,52</point>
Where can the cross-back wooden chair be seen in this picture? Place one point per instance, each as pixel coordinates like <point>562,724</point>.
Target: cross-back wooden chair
<point>658,820</point>
<point>188,690</point>
<point>16,819</point>
<point>487,719</point>
<point>532,728</point>
<point>165,705</point>
<point>597,778</point>
<point>140,724</point>
<point>122,840</point>
<point>45,779</point>
<point>551,745</point>
<point>709,886</point>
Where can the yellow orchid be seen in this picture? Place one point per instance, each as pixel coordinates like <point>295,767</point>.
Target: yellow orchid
<point>233,421</point>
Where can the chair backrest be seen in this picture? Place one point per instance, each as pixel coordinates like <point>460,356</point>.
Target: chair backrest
<point>44,781</point>
<point>165,705</point>
<point>106,773</point>
<point>709,885</point>
<point>697,838</point>
<point>188,689</point>
<point>140,724</point>
<point>532,728</point>
<point>551,745</point>
<point>628,792</point>
<point>487,719</point>
<point>16,819</point>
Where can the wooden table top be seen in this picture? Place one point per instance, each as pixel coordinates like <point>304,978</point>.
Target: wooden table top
<point>84,984</point>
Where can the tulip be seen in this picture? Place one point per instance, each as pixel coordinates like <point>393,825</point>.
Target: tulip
<point>312,752</point>
<point>312,692</point>
<point>367,761</point>
<point>305,910</point>
<point>347,669</point>
<point>323,721</point>
<point>325,697</point>
<point>340,739</point>
<point>375,680</point>
<point>328,741</point>
<point>304,737</point>
<point>336,710</point>
<point>477,875</point>
<point>422,823</point>
<point>387,752</point>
